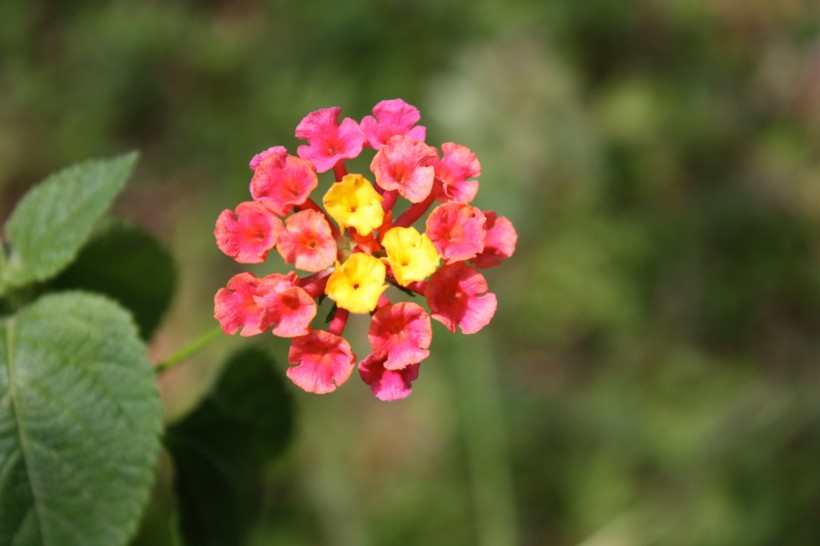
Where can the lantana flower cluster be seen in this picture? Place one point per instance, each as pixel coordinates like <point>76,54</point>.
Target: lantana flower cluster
<point>358,239</point>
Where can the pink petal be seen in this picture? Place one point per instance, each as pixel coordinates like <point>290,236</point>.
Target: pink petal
<point>392,117</point>
<point>388,385</point>
<point>457,296</point>
<point>401,333</point>
<point>405,165</point>
<point>457,231</point>
<point>307,242</point>
<point>455,169</point>
<point>499,243</point>
<point>283,182</point>
<point>250,234</point>
<point>279,152</point>
<point>287,307</point>
<point>321,361</point>
<point>328,142</point>
<point>235,306</point>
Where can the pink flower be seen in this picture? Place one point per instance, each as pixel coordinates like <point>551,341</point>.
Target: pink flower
<point>321,361</point>
<point>248,236</point>
<point>387,385</point>
<point>328,142</point>
<point>392,117</point>
<point>499,244</point>
<point>405,165</point>
<point>401,333</point>
<point>457,231</point>
<point>307,242</point>
<point>286,306</point>
<point>457,296</point>
<point>283,181</point>
<point>235,306</point>
<point>454,170</point>
<point>278,152</point>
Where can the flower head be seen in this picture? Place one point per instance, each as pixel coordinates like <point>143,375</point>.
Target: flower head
<point>353,202</point>
<point>411,255</point>
<point>321,361</point>
<point>377,246</point>
<point>392,117</point>
<point>405,165</point>
<point>328,141</point>
<point>358,283</point>
<point>307,242</point>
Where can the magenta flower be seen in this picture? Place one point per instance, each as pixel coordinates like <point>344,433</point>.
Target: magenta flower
<point>247,236</point>
<point>400,333</point>
<point>307,242</point>
<point>321,361</point>
<point>455,171</point>
<point>282,181</point>
<point>457,231</point>
<point>235,307</point>
<point>392,117</point>
<point>286,307</point>
<point>357,239</point>
<point>499,243</point>
<point>405,165</point>
<point>387,385</point>
<point>458,296</point>
<point>328,142</point>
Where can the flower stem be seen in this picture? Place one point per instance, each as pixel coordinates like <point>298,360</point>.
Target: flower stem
<point>187,351</point>
<point>415,212</point>
<point>339,170</point>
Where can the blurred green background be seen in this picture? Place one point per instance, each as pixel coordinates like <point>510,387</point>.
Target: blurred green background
<point>652,375</point>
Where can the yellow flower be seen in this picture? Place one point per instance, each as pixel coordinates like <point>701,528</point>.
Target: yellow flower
<point>358,283</point>
<point>354,202</point>
<point>411,255</point>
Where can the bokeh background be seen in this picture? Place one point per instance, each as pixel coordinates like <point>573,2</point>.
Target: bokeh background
<point>652,375</point>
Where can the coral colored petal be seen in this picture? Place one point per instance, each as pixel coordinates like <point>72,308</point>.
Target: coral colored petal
<point>405,165</point>
<point>401,333</point>
<point>307,242</point>
<point>283,182</point>
<point>387,385</point>
<point>287,307</point>
<point>278,152</point>
<point>457,296</point>
<point>454,170</point>
<point>499,244</point>
<point>320,361</point>
<point>235,306</point>
<point>457,231</point>
<point>248,234</point>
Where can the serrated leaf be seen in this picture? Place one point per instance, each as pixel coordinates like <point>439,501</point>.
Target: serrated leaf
<point>55,218</point>
<point>219,449</point>
<point>80,419</point>
<point>129,265</point>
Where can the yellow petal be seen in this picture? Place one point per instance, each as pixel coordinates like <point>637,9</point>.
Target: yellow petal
<point>411,255</point>
<point>358,283</point>
<point>354,202</point>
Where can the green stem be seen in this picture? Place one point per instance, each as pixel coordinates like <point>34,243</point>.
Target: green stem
<point>188,350</point>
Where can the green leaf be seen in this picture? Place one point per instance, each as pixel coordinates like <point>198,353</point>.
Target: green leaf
<point>129,265</point>
<point>55,218</point>
<point>80,419</point>
<point>219,450</point>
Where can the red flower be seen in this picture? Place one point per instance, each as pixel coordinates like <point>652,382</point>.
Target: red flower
<point>457,231</point>
<point>282,181</point>
<point>405,165</point>
<point>235,306</point>
<point>286,306</point>
<point>401,334</point>
<point>499,244</point>
<point>307,242</point>
<point>455,171</point>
